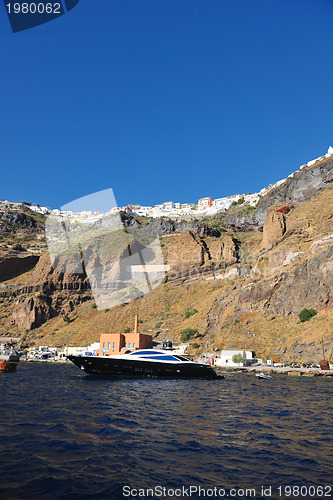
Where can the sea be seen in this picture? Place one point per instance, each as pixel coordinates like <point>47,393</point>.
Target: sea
<point>68,435</point>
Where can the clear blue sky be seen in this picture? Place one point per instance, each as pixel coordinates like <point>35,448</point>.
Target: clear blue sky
<point>164,99</point>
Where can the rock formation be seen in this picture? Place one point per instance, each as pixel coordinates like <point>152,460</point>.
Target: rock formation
<point>274,228</point>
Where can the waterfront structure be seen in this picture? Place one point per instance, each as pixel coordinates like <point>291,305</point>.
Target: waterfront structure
<point>60,353</point>
<point>121,343</point>
<point>226,358</point>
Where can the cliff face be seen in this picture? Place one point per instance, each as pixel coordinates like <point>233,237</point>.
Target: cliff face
<point>187,253</point>
<point>32,312</point>
<point>309,285</point>
<point>297,188</point>
<point>240,278</point>
<point>53,293</point>
<point>16,265</point>
<point>301,186</point>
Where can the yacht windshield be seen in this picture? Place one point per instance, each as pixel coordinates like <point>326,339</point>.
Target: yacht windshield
<point>182,358</point>
<point>141,353</point>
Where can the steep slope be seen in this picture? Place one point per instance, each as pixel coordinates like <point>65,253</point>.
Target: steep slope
<point>238,279</point>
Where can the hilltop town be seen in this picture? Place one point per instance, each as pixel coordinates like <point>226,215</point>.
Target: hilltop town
<point>205,206</point>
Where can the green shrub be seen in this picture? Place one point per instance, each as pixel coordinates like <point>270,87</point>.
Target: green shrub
<point>237,358</point>
<point>189,313</point>
<point>184,336</point>
<point>239,202</point>
<point>195,345</point>
<point>94,306</point>
<point>106,310</point>
<point>187,333</point>
<point>126,330</point>
<point>306,314</point>
<point>248,208</point>
<point>214,223</point>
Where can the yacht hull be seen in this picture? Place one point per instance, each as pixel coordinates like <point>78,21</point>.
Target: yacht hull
<point>109,365</point>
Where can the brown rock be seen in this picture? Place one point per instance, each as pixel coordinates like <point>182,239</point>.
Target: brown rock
<point>274,229</point>
<point>222,250</point>
<point>284,209</point>
<point>187,251</point>
<point>32,313</point>
<point>47,278</point>
<point>255,292</point>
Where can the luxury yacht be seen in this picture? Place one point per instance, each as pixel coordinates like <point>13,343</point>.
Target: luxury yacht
<point>144,363</point>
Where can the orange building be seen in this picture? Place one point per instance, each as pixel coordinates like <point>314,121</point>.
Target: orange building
<point>205,202</point>
<point>120,343</point>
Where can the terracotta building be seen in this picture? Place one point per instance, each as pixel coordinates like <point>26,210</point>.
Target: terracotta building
<point>121,343</point>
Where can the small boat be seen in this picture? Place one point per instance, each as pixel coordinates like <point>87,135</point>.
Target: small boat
<point>9,360</point>
<point>264,375</point>
<point>144,363</point>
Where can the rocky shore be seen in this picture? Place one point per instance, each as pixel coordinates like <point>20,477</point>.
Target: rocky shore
<point>300,372</point>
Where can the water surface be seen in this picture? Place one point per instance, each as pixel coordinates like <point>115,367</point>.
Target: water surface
<point>66,435</point>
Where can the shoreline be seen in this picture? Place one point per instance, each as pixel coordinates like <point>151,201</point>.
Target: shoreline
<point>301,372</point>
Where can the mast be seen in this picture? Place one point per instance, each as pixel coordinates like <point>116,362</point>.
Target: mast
<point>322,343</point>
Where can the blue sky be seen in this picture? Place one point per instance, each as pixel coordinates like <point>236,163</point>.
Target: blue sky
<point>164,100</point>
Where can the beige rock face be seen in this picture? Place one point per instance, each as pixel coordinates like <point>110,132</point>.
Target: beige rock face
<point>190,251</point>
<point>274,229</point>
<point>186,252</point>
<point>42,271</point>
<point>223,249</point>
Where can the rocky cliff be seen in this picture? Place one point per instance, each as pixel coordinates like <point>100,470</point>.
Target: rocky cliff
<point>239,279</point>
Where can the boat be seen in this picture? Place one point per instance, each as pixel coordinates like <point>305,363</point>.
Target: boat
<point>263,375</point>
<point>324,363</point>
<point>9,360</point>
<point>144,363</point>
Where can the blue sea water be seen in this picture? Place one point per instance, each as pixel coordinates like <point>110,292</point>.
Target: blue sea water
<point>66,435</point>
